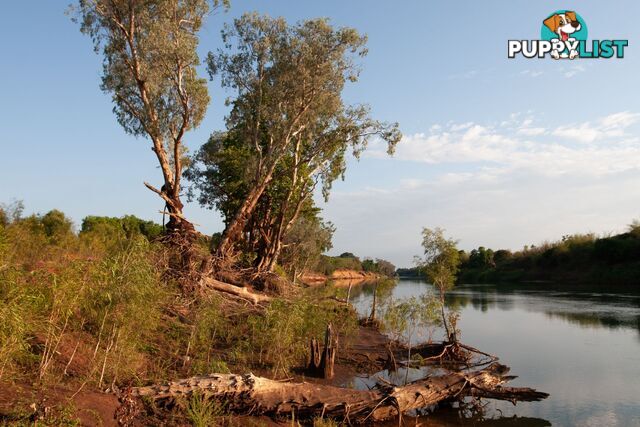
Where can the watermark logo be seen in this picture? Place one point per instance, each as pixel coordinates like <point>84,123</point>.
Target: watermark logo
<point>563,35</point>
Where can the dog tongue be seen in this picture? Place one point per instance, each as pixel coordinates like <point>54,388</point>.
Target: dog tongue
<point>564,35</point>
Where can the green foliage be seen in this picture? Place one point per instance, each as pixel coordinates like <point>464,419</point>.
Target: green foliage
<point>202,411</point>
<point>440,264</point>
<point>404,318</point>
<point>123,307</point>
<point>279,338</point>
<point>441,258</point>
<point>210,327</point>
<point>61,415</point>
<point>328,264</point>
<point>11,212</point>
<point>407,318</point>
<point>65,293</point>
<point>325,422</point>
<point>582,258</point>
<point>304,244</point>
<point>347,255</point>
<point>16,325</point>
<point>127,226</point>
<point>164,37</point>
<point>380,266</point>
<point>288,131</point>
<point>4,218</point>
<point>56,225</point>
<point>150,69</point>
<point>481,257</point>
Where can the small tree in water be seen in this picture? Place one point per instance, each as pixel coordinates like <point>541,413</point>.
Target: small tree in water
<point>440,265</point>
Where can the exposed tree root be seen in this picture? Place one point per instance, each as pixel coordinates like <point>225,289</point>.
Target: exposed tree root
<point>257,395</point>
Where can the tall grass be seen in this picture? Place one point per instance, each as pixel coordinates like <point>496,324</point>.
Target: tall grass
<point>279,338</point>
<point>95,309</point>
<point>58,289</point>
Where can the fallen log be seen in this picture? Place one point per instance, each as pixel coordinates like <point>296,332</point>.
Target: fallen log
<point>263,396</point>
<point>238,291</point>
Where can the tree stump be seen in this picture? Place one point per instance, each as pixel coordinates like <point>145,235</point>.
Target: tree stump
<point>321,363</point>
<point>372,316</point>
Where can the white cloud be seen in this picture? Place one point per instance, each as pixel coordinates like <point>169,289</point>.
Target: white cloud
<point>573,70</point>
<point>504,185</point>
<point>531,131</point>
<point>613,125</point>
<point>532,73</point>
<point>605,146</point>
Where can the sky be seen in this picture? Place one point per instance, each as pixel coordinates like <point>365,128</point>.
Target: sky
<point>499,152</point>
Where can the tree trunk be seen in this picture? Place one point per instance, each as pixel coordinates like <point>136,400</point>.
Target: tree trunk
<point>173,207</point>
<point>177,222</point>
<point>233,231</point>
<point>259,395</point>
<point>372,315</point>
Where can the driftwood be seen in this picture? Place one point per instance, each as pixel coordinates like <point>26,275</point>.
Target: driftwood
<point>257,395</point>
<point>238,291</point>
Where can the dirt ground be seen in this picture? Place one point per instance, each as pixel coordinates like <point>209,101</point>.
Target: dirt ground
<point>366,354</point>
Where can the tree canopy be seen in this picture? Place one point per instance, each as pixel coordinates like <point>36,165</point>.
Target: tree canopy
<point>150,65</point>
<point>288,131</point>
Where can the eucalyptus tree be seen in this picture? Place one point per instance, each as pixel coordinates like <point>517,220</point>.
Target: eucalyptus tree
<point>288,115</point>
<point>304,243</point>
<point>150,69</point>
<point>440,264</point>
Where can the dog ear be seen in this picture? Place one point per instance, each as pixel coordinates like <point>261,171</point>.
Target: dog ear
<point>572,16</point>
<point>552,23</point>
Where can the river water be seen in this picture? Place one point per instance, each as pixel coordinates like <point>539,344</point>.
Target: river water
<point>582,347</point>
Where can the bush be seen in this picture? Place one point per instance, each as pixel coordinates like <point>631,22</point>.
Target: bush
<point>54,293</point>
<point>129,225</point>
<point>57,227</point>
<point>279,339</point>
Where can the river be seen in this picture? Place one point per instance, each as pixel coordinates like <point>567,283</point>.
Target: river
<point>582,347</point>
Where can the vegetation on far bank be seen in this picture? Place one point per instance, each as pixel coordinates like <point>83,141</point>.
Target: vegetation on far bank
<point>348,261</point>
<point>580,259</point>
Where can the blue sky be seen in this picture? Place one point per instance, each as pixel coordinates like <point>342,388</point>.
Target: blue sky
<point>499,152</point>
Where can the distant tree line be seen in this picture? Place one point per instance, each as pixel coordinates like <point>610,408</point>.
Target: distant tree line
<point>57,228</point>
<point>578,258</point>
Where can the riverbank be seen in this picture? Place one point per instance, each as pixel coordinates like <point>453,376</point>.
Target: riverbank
<point>75,402</point>
<point>342,276</point>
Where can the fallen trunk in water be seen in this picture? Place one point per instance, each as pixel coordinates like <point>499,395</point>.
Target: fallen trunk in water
<point>263,396</point>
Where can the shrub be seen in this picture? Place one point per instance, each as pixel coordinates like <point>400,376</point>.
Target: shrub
<point>57,227</point>
<point>279,338</point>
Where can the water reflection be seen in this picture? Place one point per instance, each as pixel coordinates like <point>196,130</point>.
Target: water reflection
<point>581,346</point>
<point>586,309</point>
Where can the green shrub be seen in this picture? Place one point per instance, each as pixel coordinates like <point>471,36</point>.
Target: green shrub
<point>57,227</point>
<point>123,307</point>
<point>15,326</point>
<point>203,412</point>
<point>279,339</point>
<point>209,327</point>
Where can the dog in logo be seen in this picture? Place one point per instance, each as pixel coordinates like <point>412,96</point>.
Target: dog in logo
<point>564,25</point>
